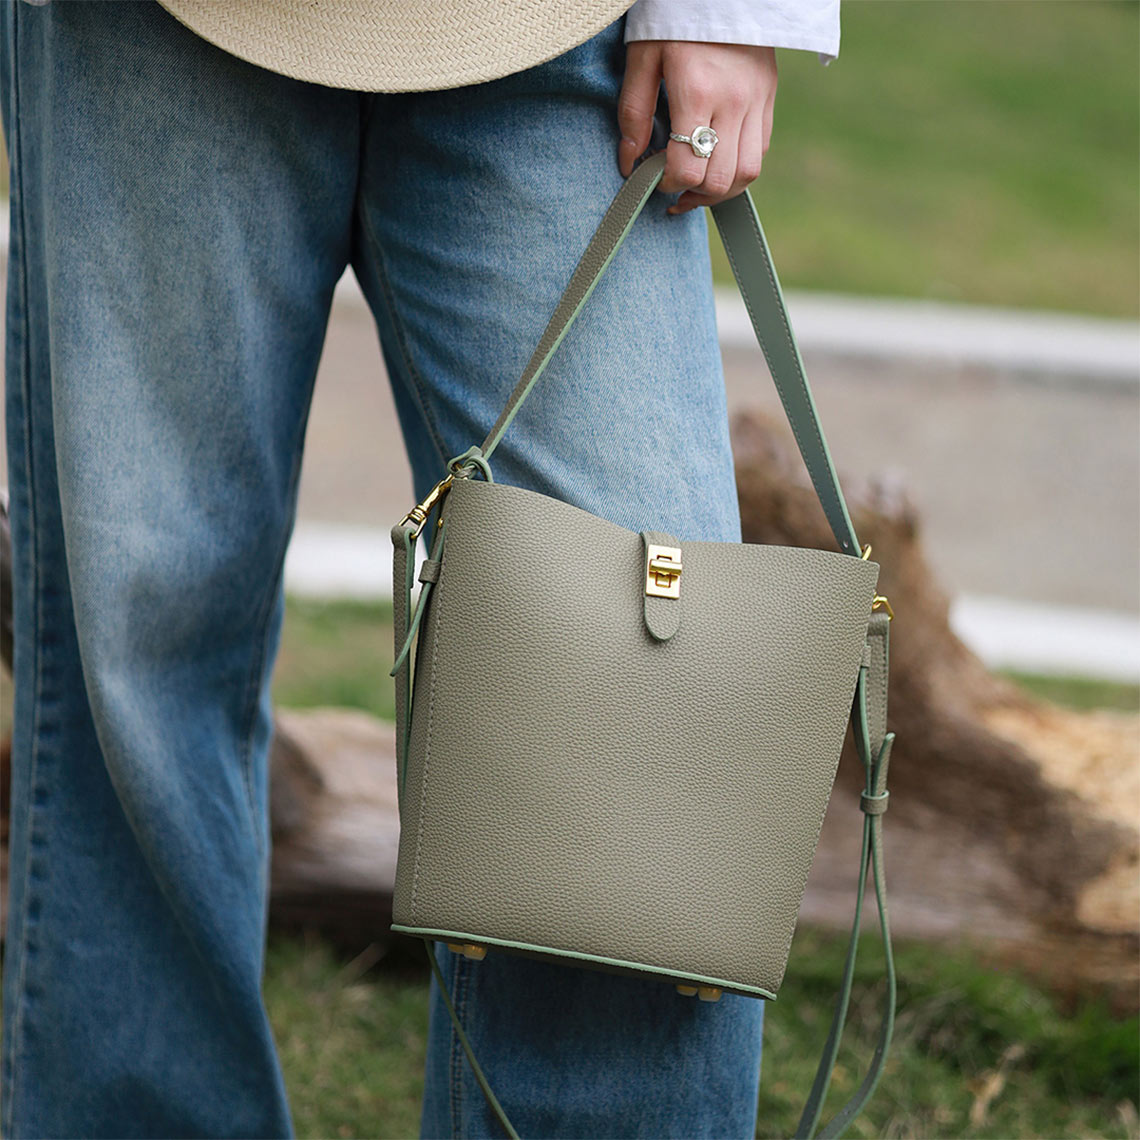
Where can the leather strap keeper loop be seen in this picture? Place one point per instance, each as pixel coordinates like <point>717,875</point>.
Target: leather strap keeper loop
<point>471,460</point>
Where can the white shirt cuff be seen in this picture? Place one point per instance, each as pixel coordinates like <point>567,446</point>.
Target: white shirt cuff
<point>802,25</point>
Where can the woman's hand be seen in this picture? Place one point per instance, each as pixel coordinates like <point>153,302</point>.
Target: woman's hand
<point>729,87</point>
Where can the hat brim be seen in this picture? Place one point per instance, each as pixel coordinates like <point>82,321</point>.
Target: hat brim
<point>410,45</point>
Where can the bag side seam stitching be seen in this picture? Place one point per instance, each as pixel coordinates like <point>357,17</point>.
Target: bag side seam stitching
<point>427,744</point>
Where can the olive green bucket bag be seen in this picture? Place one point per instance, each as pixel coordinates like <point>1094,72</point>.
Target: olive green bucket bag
<point>618,747</point>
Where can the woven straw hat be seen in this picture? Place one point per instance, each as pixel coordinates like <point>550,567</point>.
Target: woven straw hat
<point>396,45</point>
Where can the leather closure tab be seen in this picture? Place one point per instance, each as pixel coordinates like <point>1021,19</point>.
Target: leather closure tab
<point>662,565</point>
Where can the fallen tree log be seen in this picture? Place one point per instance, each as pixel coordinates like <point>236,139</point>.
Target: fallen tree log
<point>1011,820</point>
<point>334,823</point>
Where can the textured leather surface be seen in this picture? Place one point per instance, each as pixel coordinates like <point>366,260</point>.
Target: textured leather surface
<point>727,734</point>
<point>755,273</point>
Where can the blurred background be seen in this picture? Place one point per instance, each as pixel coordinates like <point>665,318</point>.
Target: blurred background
<point>954,209</point>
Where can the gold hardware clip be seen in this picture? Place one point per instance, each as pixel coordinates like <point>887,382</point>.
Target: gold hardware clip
<point>663,572</point>
<point>419,513</point>
<point>880,601</point>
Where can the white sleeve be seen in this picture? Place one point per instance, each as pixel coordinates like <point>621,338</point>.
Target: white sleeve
<point>807,25</point>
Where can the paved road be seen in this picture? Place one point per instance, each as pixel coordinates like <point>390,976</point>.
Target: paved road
<point>1029,488</point>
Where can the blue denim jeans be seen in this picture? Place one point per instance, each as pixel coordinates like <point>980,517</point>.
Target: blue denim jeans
<point>179,219</point>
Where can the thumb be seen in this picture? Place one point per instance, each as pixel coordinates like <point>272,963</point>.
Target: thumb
<point>638,100</point>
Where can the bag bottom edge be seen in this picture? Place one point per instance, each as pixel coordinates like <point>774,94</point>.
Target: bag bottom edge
<point>595,961</point>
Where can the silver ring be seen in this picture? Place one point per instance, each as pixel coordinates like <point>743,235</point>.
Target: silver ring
<point>702,140</point>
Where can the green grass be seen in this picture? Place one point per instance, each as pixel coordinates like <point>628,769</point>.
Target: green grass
<point>964,150</point>
<point>336,653</point>
<point>1080,692</point>
<point>353,1046</point>
<point>352,1042</point>
<point>1067,1073</point>
<point>969,150</point>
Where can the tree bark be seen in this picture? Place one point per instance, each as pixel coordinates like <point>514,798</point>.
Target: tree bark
<point>1011,819</point>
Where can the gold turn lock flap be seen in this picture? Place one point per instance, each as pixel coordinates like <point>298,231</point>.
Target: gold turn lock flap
<point>663,571</point>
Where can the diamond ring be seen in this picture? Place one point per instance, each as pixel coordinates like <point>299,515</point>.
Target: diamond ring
<point>702,140</point>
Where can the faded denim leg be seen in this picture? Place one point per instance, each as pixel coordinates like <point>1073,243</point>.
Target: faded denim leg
<point>178,222</point>
<point>475,206</point>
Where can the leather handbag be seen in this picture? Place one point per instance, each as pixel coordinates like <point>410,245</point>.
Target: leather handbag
<point>618,747</point>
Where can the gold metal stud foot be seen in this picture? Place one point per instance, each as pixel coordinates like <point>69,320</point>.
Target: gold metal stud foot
<point>709,993</point>
<point>687,991</point>
<point>468,950</point>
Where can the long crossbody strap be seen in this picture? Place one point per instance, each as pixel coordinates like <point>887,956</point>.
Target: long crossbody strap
<point>751,262</point>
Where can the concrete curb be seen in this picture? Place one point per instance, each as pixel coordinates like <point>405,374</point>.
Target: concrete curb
<point>329,561</point>
<point>1042,345</point>
<point>1037,345</point>
<point>1066,641</point>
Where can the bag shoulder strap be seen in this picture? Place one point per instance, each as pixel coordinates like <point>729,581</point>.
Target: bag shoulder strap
<point>751,262</point>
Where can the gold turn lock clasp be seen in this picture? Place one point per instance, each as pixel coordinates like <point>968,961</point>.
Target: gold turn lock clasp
<point>663,572</point>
